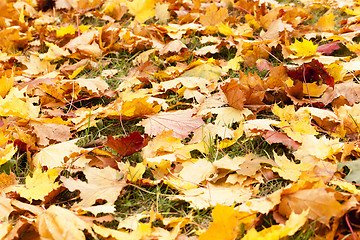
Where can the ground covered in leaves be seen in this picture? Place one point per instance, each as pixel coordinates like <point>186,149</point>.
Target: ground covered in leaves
<point>170,119</point>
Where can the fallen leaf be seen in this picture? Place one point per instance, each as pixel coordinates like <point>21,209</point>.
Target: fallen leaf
<point>102,184</point>
<point>39,186</point>
<point>141,9</point>
<point>354,167</point>
<point>328,48</point>
<point>60,223</point>
<point>54,156</point>
<point>181,122</point>
<point>278,137</point>
<point>326,22</point>
<point>291,226</point>
<point>126,146</point>
<point>50,133</point>
<point>213,15</point>
<point>312,72</point>
<point>303,49</point>
<point>162,12</point>
<point>225,224</point>
<point>321,203</point>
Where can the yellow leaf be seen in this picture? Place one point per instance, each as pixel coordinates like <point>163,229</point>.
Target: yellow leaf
<point>39,185</point>
<point>76,72</point>
<point>107,232</point>
<point>142,9</point>
<point>62,31</point>
<point>314,90</point>
<point>225,29</point>
<point>5,228</point>
<point>288,169</point>
<point>16,103</point>
<point>233,64</point>
<point>54,52</point>
<point>326,22</point>
<point>5,85</point>
<point>226,221</point>
<point>275,232</point>
<point>7,153</point>
<point>314,149</point>
<point>54,155</point>
<point>139,107</point>
<point>336,71</point>
<point>250,19</point>
<point>303,49</point>
<point>135,173</point>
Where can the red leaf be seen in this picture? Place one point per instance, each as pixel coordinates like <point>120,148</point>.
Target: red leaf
<point>125,146</point>
<point>313,71</point>
<point>328,48</point>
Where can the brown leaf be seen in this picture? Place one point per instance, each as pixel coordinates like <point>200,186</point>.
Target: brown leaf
<point>247,90</point>
<point>234,94</point>
<point>48,133</point>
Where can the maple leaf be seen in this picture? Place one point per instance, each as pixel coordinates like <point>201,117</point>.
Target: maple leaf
<point>161,12</point>
<point>247,90</point>
<point>39,186</point>
<point>125,146</point>
<point>321,203</point>
<point>54,156</point>
<point>16,103</point>
<point>288,169</point>
<point>139,107</point>
<point>225,224</point>
<point>225,194</point>
<point>326,22</point>
<point>278,137</point>
<point>312,72</point>
<point>328,48</point>
<point>213,15</point>
<point>303,49</point>
<point>291,226</point>
<point>6,84</point>
<point>141,9</point>
<point>47,132</point>
<point>207,71</point>
<point>181,122</point>
<point>7,153</point>
<point>102,184</point>
<point>348,90</point>
<point>59,223</point>
<point>354,167</point>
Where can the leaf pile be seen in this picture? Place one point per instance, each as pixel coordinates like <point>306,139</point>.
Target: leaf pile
<point>204,78</point>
